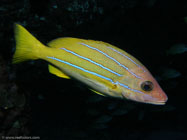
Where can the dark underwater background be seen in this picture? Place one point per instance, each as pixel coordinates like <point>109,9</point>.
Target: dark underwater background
<point>37,104</point>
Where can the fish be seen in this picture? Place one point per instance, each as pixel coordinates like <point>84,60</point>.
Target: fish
<point>177,49</point>
<point>169,73</point>
<point>105,69</point>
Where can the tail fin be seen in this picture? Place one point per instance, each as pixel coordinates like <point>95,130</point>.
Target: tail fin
<point>27,46</point>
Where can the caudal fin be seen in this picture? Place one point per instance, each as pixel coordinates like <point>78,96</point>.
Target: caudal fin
<point>27,46</point>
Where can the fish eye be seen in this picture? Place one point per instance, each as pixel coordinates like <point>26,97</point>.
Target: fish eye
<point>147,86</point>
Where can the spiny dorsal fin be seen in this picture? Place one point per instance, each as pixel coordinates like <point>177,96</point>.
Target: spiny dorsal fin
<point>57,72</point>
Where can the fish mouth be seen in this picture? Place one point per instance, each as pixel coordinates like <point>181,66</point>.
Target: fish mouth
<point>147,99</point>
<point>158,103</point>
<point>155,101</point>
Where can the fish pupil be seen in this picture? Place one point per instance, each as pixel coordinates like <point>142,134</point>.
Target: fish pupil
<point>147,86</point>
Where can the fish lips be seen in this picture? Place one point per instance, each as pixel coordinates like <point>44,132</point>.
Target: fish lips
<point>146,99</point>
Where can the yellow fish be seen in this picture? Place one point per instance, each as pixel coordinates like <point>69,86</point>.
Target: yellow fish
<point>106,69</point>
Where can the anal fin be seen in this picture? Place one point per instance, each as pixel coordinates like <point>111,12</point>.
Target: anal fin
<point>57,72</point>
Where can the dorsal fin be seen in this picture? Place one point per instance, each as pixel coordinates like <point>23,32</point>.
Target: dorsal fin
<point>57,72</point>
<point>62,42</point>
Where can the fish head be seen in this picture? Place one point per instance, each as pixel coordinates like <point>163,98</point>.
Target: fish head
<point>145,89</point>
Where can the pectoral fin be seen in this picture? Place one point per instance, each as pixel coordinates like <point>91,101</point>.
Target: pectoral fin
<point>57,72</point>
<point>97,92</point>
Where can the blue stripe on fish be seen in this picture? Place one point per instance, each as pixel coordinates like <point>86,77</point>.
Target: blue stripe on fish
<point>92,62</point>
<point>123,85</point>
<point>126,57</point>
<point>80,68</point>
<point>111,59</point>
<point>96,74</point>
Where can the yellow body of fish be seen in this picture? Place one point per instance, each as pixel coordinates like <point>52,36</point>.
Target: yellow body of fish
<point>106,69</point>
